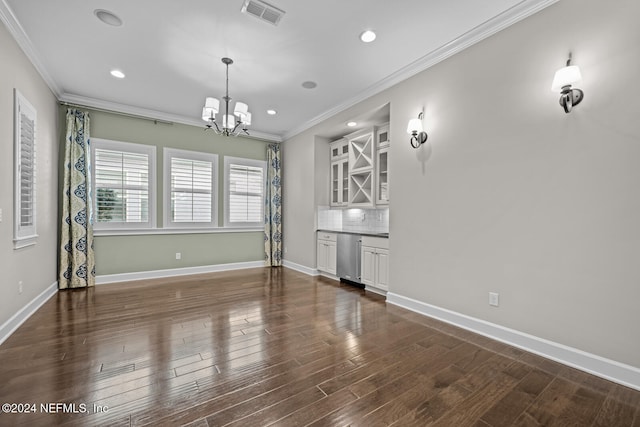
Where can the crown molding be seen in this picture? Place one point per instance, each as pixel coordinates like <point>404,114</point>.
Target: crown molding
<point>517,13</point>
<point>147,114</point>
<point>15,29</point>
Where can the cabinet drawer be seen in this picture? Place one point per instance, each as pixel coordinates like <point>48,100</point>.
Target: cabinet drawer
<point>323,235</point>
<point>375,242</point>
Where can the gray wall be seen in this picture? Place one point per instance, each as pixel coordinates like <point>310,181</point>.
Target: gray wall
<point>510,194</point>
<point>35,265</point>
<point>143,252</point>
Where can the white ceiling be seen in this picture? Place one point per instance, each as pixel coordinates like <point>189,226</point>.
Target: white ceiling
<point>170,51</point>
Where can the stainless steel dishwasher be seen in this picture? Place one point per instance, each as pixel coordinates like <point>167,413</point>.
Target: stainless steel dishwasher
<point>348,253</point>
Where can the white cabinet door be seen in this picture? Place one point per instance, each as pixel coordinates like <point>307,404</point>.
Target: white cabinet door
<point>368,265</point>
<point>382,269</point>
<point>336,181</point>
<point>339,182</point>
<point>321,256</point>
<point>382,179</point>
<point>375,263</point>
<point>332,257</point>
<point>326,252</point>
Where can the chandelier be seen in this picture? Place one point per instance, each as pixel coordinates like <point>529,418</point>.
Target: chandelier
<point>232,124</point>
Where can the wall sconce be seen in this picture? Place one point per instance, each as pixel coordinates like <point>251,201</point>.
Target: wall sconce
<point>562,81</point>
<point>418,135</point>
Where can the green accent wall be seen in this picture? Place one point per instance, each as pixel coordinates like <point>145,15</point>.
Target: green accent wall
<point>129,254</point>
<point>149,252</point>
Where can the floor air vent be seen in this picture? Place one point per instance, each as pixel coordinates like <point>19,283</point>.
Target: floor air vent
<point>263,11</point>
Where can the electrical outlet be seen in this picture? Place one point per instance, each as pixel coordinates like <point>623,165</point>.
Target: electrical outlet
<point>178,255</point>
<point>494,299</point>
<point>20,287</point>
<point>0,214</point>
<point>285,249</point>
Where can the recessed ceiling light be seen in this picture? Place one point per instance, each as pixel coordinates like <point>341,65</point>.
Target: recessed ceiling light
<point>368,36</point>
<point>272,112</point>
<point>309,85</point>
<point>107,17</point>
<point>352,124</point>
<point>117,73</point>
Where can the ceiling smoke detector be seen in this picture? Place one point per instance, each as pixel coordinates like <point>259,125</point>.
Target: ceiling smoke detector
<point>263,11</point>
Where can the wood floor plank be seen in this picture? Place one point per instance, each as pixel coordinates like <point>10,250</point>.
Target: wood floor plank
<point>276,347</point>
<point>549,404</point>
<point>505,411</point>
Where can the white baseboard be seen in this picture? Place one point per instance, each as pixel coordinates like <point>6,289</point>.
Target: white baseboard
<point>10,326</point>
<point>170,272</point>
<point>620,373</point>
<point>301,268</point>
<point>375,290</point>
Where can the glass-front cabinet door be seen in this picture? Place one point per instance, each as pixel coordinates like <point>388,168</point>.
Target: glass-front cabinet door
<point>382,181</point>
<point>345,182</point>
<point>335,184</point>
<point>339,182</point>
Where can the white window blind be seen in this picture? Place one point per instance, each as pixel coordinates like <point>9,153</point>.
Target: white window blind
<point>25,172</point>
<point>123,175</point>
<point>244,191</point>
<point>191,188</point>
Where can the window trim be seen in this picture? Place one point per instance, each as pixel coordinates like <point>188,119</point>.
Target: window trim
<point>228,160</point>
<point>130,147</point>
<point>168,153</point>
<point>24,236</point>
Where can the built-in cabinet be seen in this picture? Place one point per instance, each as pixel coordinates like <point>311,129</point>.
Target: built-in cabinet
<point>359,168</point>
<point>375,263</point>
<point>326,252</point>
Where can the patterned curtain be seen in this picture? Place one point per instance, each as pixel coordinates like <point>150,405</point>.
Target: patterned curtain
<point>273,209</point>
<point>77,265</point>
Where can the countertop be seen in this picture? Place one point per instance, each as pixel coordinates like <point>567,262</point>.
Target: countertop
<point>361,233</point>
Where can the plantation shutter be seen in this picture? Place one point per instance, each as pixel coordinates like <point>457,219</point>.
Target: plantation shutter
<point>191,190</point>
<point>122,186</point>
<point>246,194</point>
<point>24,181</point>
<point>27,170</point>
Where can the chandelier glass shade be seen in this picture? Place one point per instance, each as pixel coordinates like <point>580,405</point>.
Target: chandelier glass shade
<point>231,124</point>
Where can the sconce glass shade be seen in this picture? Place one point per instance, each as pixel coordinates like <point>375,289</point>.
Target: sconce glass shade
<point>415,125</point>
<point>415,129</point>
<point>565,77</point>
<point>247,119</point>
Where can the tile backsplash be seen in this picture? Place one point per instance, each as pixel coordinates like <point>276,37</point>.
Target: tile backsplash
<point>370,220</point>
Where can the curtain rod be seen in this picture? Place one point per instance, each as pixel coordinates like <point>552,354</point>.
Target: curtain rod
<point>105,110</point>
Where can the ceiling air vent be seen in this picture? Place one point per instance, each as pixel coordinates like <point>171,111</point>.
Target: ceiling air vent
<point>263,11</point>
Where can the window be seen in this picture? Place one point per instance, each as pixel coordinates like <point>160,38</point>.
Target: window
<point>244,192</point>
<point>123,177</point>
<point>190,183</point>
<point>24,227</point>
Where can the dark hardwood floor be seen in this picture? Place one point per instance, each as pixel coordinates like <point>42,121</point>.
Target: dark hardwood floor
<point>275,347</point>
